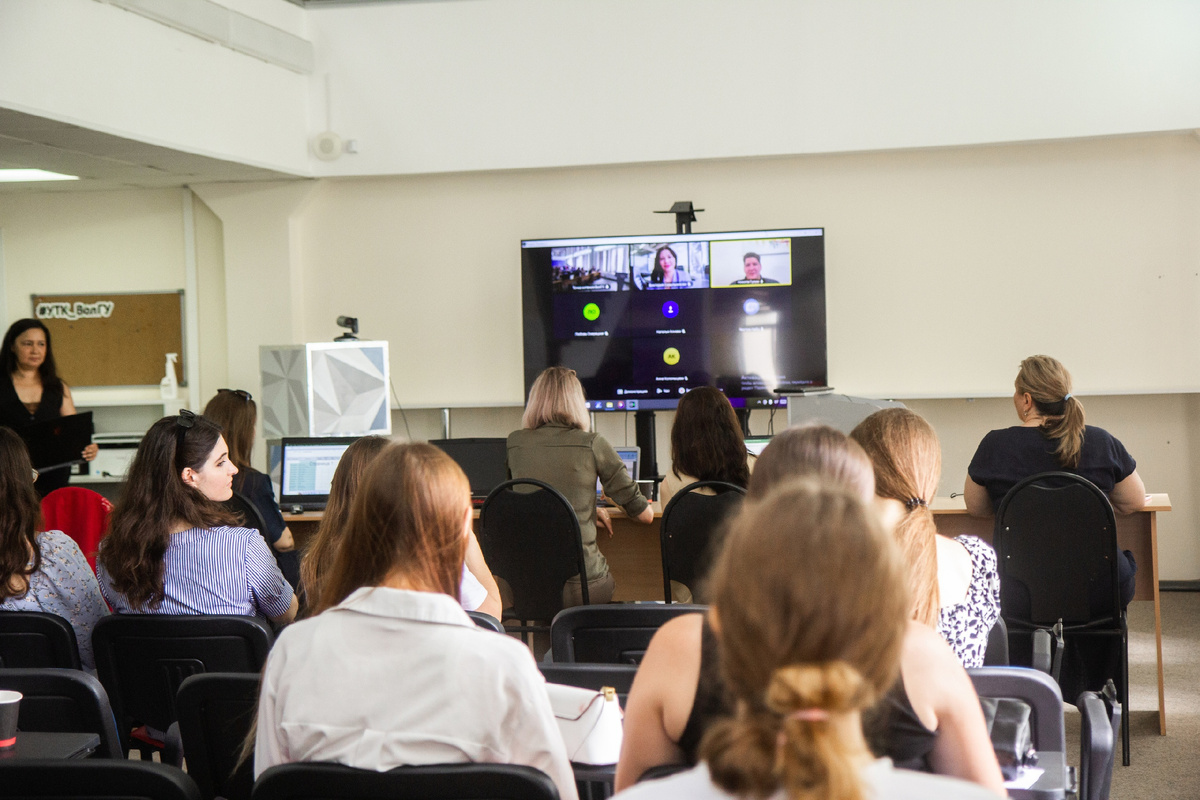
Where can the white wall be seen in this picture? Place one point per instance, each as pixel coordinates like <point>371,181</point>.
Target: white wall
<point>480,84</point>
<point>944,267</point>
<point>107,69</point>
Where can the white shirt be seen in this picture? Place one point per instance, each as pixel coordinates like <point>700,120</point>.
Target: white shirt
<point>883,782</point>
<point>390,677</point>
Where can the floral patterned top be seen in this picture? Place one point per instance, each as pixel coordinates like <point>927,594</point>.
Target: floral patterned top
<point>965,626</point>
<point>66,586</point>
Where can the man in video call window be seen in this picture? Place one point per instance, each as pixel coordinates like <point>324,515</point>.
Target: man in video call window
<point>753,266</point>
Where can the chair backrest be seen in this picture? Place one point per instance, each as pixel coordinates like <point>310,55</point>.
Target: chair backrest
<point>1038,690</point>
<point>216,713</point>
<point>486,621</point>
<point>95,779</point>
<point>592,676</point>
<point>37,639</point>
<point>530,536</point>
<point>250,516</point>
<point>79,513</point>
<point>996,654</point>
<point>688,531</point>
<point>142,659</point>
<point>1056,546</point>
<point>1097,747</point>
<point>610,634</point>
<point>436,782</point>
<point>64,701</point>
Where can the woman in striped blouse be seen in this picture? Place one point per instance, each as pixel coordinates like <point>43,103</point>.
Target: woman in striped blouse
<point>171,549</point>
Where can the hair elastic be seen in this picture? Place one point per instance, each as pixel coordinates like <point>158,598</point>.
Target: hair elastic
<point>913,502</point>
<point>1068,397</point>
<point>810,715</point>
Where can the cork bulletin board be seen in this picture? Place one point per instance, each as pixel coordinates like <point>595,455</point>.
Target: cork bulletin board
<point>113,339</point>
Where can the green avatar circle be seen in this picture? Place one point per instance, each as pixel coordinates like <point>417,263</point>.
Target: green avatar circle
<point>591,312</point>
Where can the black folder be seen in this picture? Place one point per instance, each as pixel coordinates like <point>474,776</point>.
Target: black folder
<point>55,443</point>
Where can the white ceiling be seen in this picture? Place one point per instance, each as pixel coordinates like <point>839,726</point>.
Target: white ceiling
<point>103,161</point>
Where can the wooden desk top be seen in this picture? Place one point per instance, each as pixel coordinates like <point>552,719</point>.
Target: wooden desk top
<point>958,505</point>
<point>941,505</point>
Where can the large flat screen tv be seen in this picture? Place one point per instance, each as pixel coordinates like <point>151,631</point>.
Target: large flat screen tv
<point>642,319</point>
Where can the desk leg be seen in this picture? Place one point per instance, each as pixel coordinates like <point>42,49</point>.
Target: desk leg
<point>1162,701</point>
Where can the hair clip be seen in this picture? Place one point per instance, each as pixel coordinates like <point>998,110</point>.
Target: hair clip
<point>913,502</point>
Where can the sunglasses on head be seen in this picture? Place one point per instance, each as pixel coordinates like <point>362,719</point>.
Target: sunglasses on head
<point>183,423</point>
<point>242,393</point>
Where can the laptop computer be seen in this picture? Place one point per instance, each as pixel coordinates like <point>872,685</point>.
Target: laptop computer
<point>306,471</point>
<point>756,444</point>
<point>55,443</point>
<point>484,460</point>
<point>631,457</point>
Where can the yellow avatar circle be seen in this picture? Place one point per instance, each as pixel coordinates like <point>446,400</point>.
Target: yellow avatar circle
<point>671,356</point>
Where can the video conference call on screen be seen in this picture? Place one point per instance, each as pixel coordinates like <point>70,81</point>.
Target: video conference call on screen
<point>642,319</point>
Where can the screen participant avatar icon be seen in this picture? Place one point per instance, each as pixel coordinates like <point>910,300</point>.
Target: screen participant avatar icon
<point>591,312</point>
<point>671,356</point>
<point>670,309</point>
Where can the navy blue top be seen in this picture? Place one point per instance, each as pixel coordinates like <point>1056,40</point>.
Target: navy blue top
<point>1008,456</point>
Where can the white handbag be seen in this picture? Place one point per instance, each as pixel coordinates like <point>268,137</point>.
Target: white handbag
<point>591,723</point>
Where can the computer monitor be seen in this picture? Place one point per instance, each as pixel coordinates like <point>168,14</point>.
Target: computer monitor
<point>631,457</point>
<point>484,460</point>
<point>756,444</point>
<point>306,470</point>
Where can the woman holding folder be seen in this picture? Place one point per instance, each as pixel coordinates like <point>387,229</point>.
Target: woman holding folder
<point>34,392</point>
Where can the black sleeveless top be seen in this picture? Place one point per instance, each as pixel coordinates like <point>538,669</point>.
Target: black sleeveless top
<point>892,727</point>
<point>14,414</point>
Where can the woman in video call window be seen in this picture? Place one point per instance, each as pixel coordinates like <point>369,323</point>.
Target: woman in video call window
<point>666,269</point>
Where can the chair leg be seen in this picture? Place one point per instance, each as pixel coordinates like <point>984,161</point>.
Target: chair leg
<point>1125,699</point>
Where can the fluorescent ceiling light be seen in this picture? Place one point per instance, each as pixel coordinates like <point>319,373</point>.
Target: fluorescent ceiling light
<point>19,175</point>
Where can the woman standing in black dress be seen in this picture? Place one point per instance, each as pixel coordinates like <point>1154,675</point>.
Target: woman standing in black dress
<point>34,392</point>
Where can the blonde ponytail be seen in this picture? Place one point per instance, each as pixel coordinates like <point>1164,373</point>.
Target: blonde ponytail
<point>812,601</point>
<point>1047,381</point>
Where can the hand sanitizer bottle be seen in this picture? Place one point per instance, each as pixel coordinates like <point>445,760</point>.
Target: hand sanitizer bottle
<point>168,387</point>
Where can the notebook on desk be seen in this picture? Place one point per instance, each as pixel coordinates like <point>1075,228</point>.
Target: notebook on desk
<point>756,444</point>
<point>306,471</point>
<point>631,457</point>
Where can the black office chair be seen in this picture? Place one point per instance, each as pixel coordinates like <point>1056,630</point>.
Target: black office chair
<point>313,780</point>
<point>216,713</point>
<point>1056,548</point>
<point>611,634</point>
<point>592,676</point>
<point>1100,722</point>
<point>64,701</point>
<point>996,654</point>
<point>530,537</point>
<point>31,639</point>
<point>486,621</point>
<point>142,659</point>
<point>251,517</point>
<point>688,533</point>
<point>94,779</point>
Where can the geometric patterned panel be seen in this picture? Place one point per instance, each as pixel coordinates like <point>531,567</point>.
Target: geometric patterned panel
<point>284,401</point>
<point>348,385</point>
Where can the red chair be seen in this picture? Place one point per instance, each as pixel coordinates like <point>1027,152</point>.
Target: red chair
<point>79,513</point>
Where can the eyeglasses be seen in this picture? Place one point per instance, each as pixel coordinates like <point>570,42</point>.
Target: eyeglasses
<point>183,423</point>
<point>242,393</point>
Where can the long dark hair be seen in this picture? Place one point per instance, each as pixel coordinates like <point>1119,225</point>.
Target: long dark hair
<point>154,499</point>
<point>657,274</point>
<point>20,517</point>
<point>235,412</point>
<point>706,439</point>
<point>47,371</point>
<point>319,555</point>
<point>408,514</point>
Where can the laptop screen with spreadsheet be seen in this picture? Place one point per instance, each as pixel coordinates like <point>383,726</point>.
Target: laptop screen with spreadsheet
<point>306,470</point>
